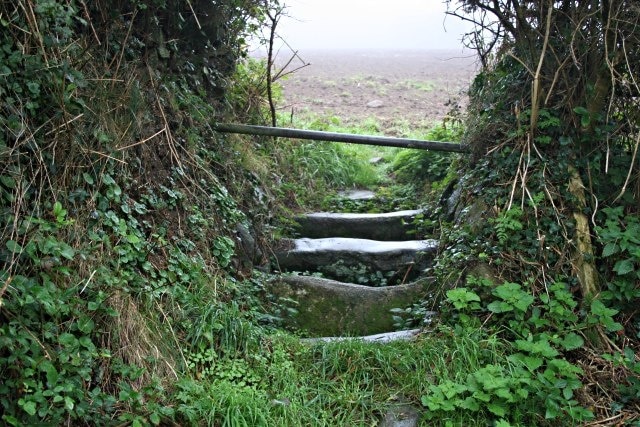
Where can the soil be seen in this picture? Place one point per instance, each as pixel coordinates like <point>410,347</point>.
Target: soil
<point>409,87</point>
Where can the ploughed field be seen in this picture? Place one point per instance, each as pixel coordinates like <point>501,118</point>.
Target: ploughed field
<point>392,87</point>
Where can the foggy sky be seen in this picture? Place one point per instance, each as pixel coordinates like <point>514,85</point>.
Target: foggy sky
<point>384,24</point>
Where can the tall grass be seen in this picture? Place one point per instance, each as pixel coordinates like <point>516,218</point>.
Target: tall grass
<point>289,383</point>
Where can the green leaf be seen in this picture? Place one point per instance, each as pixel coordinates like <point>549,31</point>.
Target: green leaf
<point>581,111</point>
<point>623,267</point>
<point>107,179</point>
<point>154,418</point>
<point>610,249</point>
<point>599,309</point>
<point>8,181</point>
<point>68,340</point>
<point>51,372</point>
<point>87,343</point>
<point>530,362</point>
<point>88,178</point>
<point>497,409</point>
<point>67,252</point>
<point>85,325</point>
<point>34,87</point>
<point>29,407</point>
<point>13,246</point>
<point>11,420</point>
<point>68,403</point>
<point>572,341</point>
<point>470,404</point>
<point>133,239</point>
<point>565,140</point>
<point>461,297</point>
<point>499,307</point>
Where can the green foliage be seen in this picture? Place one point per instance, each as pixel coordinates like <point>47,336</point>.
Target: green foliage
<point>331,164</point>
<point>620,238</point>
<point>359,274</point>
<point>108,229</point>
<point>223,249</point>
<point>533,373</point>
<point>507,222</point>
<point>423,166</point>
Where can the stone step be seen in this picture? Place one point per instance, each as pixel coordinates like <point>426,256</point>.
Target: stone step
<point>385,337</point>
<point>330,308</point>
<point>357,195</point>
<point>391,226</point>
<point>311,254</point>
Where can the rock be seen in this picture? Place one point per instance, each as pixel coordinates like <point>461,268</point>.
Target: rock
<point>310,254</point>
<point>376,160</point>
<point>357,194</point>
<point>247,249</point>
<point>390,226</point>
<point>330,308</point>
<point>401,414</point>
<point>386,337</point>
<point>376,103</point>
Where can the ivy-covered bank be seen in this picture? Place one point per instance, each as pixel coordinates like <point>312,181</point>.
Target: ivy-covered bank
<point>121,208</point>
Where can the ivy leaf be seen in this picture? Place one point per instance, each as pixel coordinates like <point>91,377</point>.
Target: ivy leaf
<point>623,267</point>
<point>8,181</point>
<point>68,403</point>
<point>87,178</point>
<point>13,246</point>
<point>610,249</point>
<point>51,372</point>
<point>85,324</point>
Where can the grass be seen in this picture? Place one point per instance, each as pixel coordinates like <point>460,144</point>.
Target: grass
<point>346,383</point>
<point>327,166</point>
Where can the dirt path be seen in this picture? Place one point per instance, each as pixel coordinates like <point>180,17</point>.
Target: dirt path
<point>392,87</point>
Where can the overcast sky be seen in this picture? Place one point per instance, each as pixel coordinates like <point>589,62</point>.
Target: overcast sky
<point>384,24</point>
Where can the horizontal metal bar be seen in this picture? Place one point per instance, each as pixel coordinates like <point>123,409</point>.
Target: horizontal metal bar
<point>341,137</point>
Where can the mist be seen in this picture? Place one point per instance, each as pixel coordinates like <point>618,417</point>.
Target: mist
<point>370,24</point>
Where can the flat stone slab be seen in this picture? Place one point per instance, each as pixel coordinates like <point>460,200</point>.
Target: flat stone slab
<point>310,254</point>
<point>383,338</point>
<point>391,226</point>
<point>330,308</point>
<point>357,194</point>
<point>401,414</point>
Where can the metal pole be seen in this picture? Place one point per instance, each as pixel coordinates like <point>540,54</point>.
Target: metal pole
<point>341,137</point>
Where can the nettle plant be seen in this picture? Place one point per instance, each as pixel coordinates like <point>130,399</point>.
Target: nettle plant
<point>538,331</point>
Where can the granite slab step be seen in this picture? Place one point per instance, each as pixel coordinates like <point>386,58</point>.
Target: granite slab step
<point>391,226</point>
<point>310,254</point>
<point>331,308</point>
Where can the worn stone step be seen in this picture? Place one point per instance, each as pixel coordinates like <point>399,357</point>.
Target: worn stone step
<point>391,226</point>
<point>311,254</point>
<point>330,308</point>
<point>383,338</point>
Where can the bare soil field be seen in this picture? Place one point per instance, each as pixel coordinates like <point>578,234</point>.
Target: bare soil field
<point>412,87</point>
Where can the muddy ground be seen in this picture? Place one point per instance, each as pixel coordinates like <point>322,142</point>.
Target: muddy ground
<point>413,87</point>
